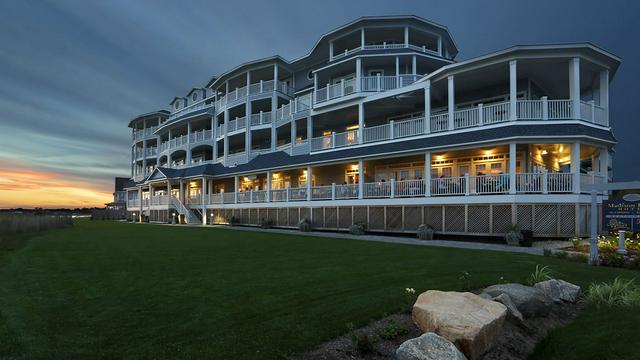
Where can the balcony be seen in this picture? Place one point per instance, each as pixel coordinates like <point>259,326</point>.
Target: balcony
<point>202,104</point>
<point>478,116</point>
<point>383,46</point>
<point>493,184</point>
<point>262,87</point>
<point>367,84</point>
<point>144,133</point>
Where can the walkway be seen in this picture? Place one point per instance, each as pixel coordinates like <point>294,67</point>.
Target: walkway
<point>387,239</point>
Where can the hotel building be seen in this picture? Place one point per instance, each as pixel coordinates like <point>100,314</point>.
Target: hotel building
<point>380,124</point>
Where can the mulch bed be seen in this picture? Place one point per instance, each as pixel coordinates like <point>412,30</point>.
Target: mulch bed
<point>516,341</point>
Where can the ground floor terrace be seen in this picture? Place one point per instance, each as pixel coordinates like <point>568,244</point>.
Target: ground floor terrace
<point>475,190</point>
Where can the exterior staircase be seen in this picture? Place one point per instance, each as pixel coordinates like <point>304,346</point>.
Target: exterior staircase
<point>190,216</point>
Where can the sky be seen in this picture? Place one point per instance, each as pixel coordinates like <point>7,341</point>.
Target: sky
<point>73,73</point>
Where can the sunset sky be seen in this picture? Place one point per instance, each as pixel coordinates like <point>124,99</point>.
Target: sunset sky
<point>73,73</point>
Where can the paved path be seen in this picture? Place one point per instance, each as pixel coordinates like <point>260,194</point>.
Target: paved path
<point>386,239</point>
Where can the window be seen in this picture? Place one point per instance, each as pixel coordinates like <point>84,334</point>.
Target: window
<point>310,75</point>
<point>194,97</point>
<point>376,72</point>
<point>177,105</point>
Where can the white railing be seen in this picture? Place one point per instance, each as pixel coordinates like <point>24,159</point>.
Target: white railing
<point>488,184</point>
<point>529,109</point>
<point>559,109</point>
<point>300,148</point>
<point>228,197</point>
<point>215,198</point>
<point>409,188</point>
<point>495,113</point>
<point>160,200</point>
<point>409,127</point>
<point>439,122</point>
<point>466,118</point>
<point>530,182</point>
<point>199,136</point>
<point>346,52</point>
<point>322,192</point>
<point>297,194</point>
<point>261,118</point>
<point>259,196</point>
<point>383,46</point>
<point>253,89</point>
<point>600,115</point>
<point>346,191</point>
<point>236,158</point>
<point>377,133</point>
<point>380,189</point>
<point>346,138</point>
<point>279,195</point>
<point>448,186</point>
<point>133,203</point>
<point>329,92</point>
<point>202,104</point>
<point>559,182</point>
<point>244,196</point>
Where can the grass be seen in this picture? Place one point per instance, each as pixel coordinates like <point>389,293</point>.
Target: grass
<point>119,290</point>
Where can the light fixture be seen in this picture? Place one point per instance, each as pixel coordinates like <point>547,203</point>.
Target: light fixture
<point>544,152</point>
<point>561,149</point>
<point>487,152</point>
<point>439,157</point>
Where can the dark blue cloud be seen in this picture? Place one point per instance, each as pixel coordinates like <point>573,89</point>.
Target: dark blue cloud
<point>72,73</point>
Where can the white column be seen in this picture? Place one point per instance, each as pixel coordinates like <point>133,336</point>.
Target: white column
<point>512,168</point>
<point>181,194</point>
<point>235,189</point>
<point>247,117</point>
<point>309,129</point>
<point>268,185</point>
<point>202,194</point>
<point>358,74</point>
<point>604,93</point>
<point>309,177</point>
<point>427,106</point>
<point>360,123</point>
<point>294,131</point>
<point>575,166</point>
<point>406,36</point>
<point>427,173</point>
<point>360,179</point>
<point>330,50</point>
<point>362,38</point>
<point>414,69</point>
<point>214,132</point>
<point>513,90</point>
<point>188,132</point>
<point>140,203</point>
<point>605,164</point>
<point>397,71</point>
<point>226,137</point>
<point>169,190</point>
<point>274,108</point>
<point>451,100</point>
<point>144,157</point>
<point>440,46</point>
<point>574,86</point>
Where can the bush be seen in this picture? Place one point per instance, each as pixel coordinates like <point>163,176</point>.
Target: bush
<point>362,342</point>
<point>20,224</point>
<point>304,225</point>
<point>513,236</point>
<point>540,274</point>
<point>392,330</point>
<point>357,229</point>
<point>233,221</point>
<point>425,232</point>
<point>617,293</point>
<point>547,252</point>
<point>465,279</point>
<point>611,259</point>
<point>266,223</point>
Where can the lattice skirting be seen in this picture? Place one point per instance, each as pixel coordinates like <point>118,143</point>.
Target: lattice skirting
<point>545,220</point>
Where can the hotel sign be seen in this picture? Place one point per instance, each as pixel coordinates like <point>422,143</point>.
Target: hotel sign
<point>622,214</point>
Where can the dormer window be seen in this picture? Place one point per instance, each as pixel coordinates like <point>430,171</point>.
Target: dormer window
<point>177,104</point>
<point>194,97</point>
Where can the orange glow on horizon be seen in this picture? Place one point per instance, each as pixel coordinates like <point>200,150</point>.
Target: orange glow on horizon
<point>28,188</point>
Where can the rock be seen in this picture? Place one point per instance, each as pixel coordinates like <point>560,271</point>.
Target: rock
<point>559,290</point>
<point>513,313</point>
<point>530,301</point>
<point>486,296</point>
<point>429,346</point>
<point>467,320</point>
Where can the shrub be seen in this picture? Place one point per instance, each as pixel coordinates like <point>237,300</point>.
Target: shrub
<point>575,242</point>
<point>266,223</point>
<point>547,252</point>
<point>392,330</point>
<point>233,221</point>
<point>561,254</point>
<point>357,229</point>
<point>616,293</point>
<point>579,257</point>
<point>425,232</point>
<point>611,259</point>
<point>513,236</point>
<point>465,279</point>
<point>304,225</point>
<point>362,342</point>
<point>540,274</point>
<point>410,298</point>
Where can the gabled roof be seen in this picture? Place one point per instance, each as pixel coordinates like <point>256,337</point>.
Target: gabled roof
<point>176,99</point>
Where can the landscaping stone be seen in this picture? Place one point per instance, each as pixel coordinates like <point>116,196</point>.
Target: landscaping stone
<point>429,346</point>
<point>559,290</point>
<point>513,313</point>
<point>469,321</point>
<point>530,301</point>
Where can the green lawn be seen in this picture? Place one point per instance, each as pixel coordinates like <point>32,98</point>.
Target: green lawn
<point>105,289</point>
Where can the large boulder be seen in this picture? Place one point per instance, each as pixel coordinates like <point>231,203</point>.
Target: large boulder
<point>429,346</point>
<point>513,314</point>
<point>467,320</point>
<point>530,301</point>
<point>559,290</point>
